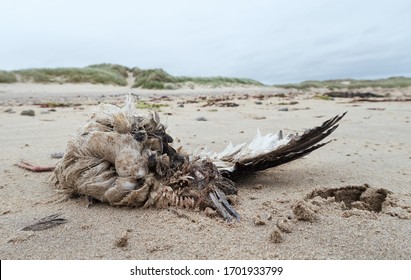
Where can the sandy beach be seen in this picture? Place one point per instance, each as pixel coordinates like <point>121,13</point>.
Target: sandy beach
<point>286,212</point>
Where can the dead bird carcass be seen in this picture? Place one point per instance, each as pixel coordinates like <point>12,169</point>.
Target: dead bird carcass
<point>124,158</point>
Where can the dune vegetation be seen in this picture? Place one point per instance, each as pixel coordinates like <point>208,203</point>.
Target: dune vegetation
<point>392,82</point>
<point>152,79</point>
<point>116,74</point>
<point>160,79</point>
<point>7,77</point>
<point>94,74</point>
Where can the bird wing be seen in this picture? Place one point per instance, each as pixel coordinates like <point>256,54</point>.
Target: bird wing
<point>270,150</point>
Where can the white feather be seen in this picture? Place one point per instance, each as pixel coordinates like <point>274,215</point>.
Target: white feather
<point>245,153</point>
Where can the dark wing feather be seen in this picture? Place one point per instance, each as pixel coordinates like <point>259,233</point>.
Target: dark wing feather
<point>271,150</point>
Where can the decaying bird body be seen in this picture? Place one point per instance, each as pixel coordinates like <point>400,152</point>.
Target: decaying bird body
<point>123,158</point>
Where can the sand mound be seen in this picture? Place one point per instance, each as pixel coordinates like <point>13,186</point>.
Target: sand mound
<point>361,197</point>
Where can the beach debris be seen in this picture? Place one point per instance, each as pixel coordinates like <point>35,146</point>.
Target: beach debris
<point>10,111</point>
<point>260,96</point>
<point>190,101</point>
<point>285,109</point>
<point>201,119</point>
<point>220,102</point>
<point>243,97</point>
<point>300,109</point>
<point>161,98</point>
<point>27,113</point>
<point>398,99</point>
<point>125,158</point>
<point>257,117</point>
<point>376,109</point>
<point>146,105</point>
<point>322,97</point>
<point>350,94</point>
<point>57,155</point>
<point>258,102</point>
<point>288,103</point>
<point>227,104</point>
<point>55,105</point>
<point>45,223</point>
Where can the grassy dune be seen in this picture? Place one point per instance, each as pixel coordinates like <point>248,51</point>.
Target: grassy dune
<point>7,77</point>
<point>95,74</point>
<point>392,82</point>
<point>160,79</point>
<point>119,69</point>
<point>218,81</point>
<point>152,79</point>
<point>116,74</point>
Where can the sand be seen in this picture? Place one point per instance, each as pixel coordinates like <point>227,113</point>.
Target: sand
<point>287,212</point>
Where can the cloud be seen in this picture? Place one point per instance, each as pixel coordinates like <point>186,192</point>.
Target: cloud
<point>271,41</point>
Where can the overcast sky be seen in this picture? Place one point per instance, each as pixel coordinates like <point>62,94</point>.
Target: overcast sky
<point>275,41</point>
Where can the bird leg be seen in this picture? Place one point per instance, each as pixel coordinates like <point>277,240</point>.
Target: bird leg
<point>209,182</point>
<point>222,206</point>
<point>34,168</point>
